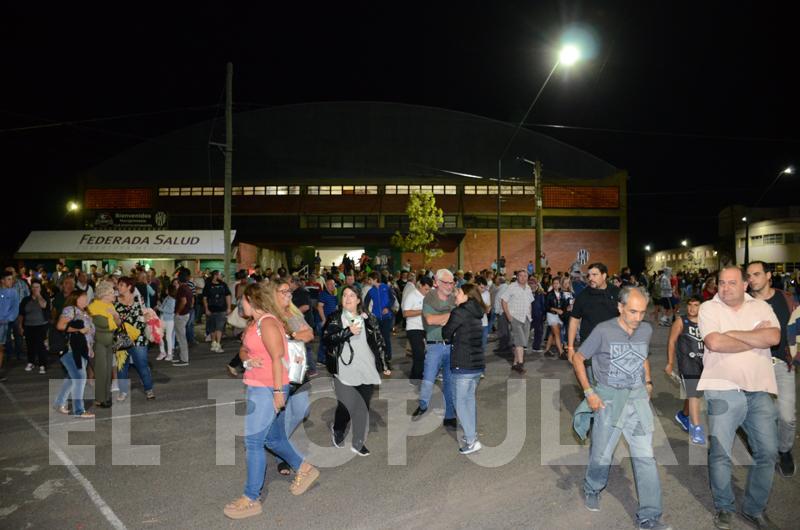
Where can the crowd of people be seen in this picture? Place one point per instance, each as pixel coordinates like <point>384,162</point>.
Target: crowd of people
<point>734,345</point>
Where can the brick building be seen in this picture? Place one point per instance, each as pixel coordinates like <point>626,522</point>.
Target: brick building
<point>319,176</point>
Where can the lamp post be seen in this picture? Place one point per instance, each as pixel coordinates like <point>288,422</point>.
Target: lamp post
<point>748,218</point>
<point>568,56</point>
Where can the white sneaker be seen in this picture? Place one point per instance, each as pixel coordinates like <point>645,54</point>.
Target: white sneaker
<point>42,370</point>
<point>208,338</point>
<point>213,346</point>
<point>219,348</point>
<point>161,356</point>
<point>29,367</point>
<point>114,386</point>
<point>469,449</point>
<point>168,358</point>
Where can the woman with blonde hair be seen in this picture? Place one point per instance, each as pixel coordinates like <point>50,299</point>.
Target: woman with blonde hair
<point>264,355</point>
<point>106,320</point>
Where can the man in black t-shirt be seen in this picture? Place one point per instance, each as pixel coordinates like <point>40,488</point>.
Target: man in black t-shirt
<point>759,278</point>
<point>596,303</point>
<point>216,302</point>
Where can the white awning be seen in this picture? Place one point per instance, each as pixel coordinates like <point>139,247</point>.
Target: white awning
<point>121,244</point>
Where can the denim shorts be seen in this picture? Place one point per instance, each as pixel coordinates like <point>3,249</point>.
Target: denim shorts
<point>4,329</point>
<point>216,321</point>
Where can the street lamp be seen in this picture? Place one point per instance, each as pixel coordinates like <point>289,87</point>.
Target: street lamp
<point>647,248</point>
<point>789,170</point>
<point>73,206</point>
<point>684,243</point>
<point>568,56</point>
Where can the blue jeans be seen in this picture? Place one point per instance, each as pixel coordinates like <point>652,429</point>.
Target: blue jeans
<point>386,325</point>
<point>437,356</point>
<point>605,438</point>
<point>756,414</point>
<point>74,385</point>
<point>139,356</point>
<point>190,327</point>
<point>466,410</point>
<point>258,432</point>
<point>785,403</point>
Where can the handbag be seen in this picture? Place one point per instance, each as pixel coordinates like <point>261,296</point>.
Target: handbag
<point>296,366</point>
<point>236,319</point>
<point>121,340</point>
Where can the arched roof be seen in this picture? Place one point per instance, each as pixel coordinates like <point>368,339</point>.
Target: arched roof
<point>347,142</point>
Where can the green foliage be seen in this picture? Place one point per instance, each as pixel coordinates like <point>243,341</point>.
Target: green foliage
<point>425,219</point>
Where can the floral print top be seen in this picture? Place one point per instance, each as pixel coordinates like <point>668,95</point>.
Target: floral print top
<point>134,315</point>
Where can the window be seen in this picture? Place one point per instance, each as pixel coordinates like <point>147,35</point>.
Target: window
<point>163,192</point>
<point>773,239</point>
<point>342,221</point>
<point>506,221</point>
<point>450,221</point>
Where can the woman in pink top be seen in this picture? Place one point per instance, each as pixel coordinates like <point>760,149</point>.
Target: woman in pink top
<point>264,348</point>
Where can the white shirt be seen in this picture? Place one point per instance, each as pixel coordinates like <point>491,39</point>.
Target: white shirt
<point>412,301</point>
<point>498,306</point>
<point>487,301</point>
<point>519,301</point>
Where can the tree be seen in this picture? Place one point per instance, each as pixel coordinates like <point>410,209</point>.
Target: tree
<point>425,219</point>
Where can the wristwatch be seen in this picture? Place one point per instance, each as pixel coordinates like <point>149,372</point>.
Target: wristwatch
<point>246,364</point>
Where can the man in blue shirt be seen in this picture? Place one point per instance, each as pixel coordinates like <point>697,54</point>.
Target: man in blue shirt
<point>326,306</point>
<point>379,301</point>
<point>9,310</point>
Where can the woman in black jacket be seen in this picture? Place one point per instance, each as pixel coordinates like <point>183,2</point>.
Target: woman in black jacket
<point>467,362</point>
<point>556,304</point>
<point>355,358</point>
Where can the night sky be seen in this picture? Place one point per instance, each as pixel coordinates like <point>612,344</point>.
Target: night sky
<point>697,100</point>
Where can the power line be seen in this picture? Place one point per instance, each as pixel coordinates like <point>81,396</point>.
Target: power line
<point>664,133</point>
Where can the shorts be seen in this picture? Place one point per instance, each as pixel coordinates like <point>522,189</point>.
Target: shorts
<point>665,302</point>
<point>689,387</point>
<point>553,319</point>
<point>216,321</point>
<point>4,329</point>
<point>520,333</point>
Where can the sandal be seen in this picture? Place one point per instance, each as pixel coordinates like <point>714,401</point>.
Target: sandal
<point>284,469</point>
<point>85,415</point>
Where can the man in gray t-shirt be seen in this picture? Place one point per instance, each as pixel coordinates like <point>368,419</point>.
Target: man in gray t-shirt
<point>617,357</point>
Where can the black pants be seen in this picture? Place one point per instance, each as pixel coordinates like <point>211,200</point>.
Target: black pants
<point>353,404</point>
<point>417,339</point>
<point>34,338</point>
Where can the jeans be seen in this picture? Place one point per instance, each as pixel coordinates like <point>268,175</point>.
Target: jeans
<point>537,324</point>
<point>466,410</point>
<point>416,337</point>
<point>189,327</point>
<point>437,356</point>
<point>139,356</point>
<point>353,404</point>
<point>182,323</point>
<point>258,432</point>
<point>605,438</point>
<point>787,419</point>
<point>756,414</point>
<point>74,385</point>
<point>168,338</point>
<point>386,324</point>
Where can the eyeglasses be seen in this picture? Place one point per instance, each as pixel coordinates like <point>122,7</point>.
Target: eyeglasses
<point>447,283</point>
<point>285,291</point>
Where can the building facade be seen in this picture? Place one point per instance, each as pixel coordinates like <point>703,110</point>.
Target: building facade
<point>338,176</point>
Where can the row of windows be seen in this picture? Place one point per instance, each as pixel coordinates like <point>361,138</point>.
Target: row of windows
<point>390,189</point>
<point>771,239</point>
<point>506,221</point>
<point>686,255</point>
<point>342,221</point>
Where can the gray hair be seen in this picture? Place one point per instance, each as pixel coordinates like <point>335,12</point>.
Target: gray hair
<point>103,288</point>
<point>626,291</point>
<point>443,274</point>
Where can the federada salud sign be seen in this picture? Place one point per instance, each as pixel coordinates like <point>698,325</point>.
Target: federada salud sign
<point>134,243</point>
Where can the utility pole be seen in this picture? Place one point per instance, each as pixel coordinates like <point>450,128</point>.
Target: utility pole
<point>228,170</point>
<point>537,188</point>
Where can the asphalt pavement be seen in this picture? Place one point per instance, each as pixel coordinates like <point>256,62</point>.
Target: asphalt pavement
<point>529,474</point>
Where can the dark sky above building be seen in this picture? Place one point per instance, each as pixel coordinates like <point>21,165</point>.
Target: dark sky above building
<point>697,100</point>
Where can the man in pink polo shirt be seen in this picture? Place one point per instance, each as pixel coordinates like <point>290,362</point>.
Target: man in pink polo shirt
<point>738,378</point>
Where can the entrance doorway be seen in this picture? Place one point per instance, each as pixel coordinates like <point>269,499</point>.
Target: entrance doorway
<point>336,255</point>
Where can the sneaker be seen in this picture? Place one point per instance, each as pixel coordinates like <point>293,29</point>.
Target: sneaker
<point>302,481</point>
<point>180,363</point>
<point>213,346</point>
<point>722,520</point>
<point>122,396</point>
<point>242,508</point>
<point>450,423</point>
<point>683,420</point>
<point>208,339</point>
<point>592,502</point>
<point>698,435</point>
<point>219,348</point>
<point>63,409</point>
<point>114,386</point>
<point>785,464</point>
<point>29,367</point>
<point>762,522</point>
<point>169,358</point>
<point>232,371</point>
<point>468,449</point>
<point>150,394</point>
<point>361,452</point>
<point>337,440</point>
<point>161,356</point>
<point>418,413</point>
<point>42,370</point>
<point>653,524</point>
